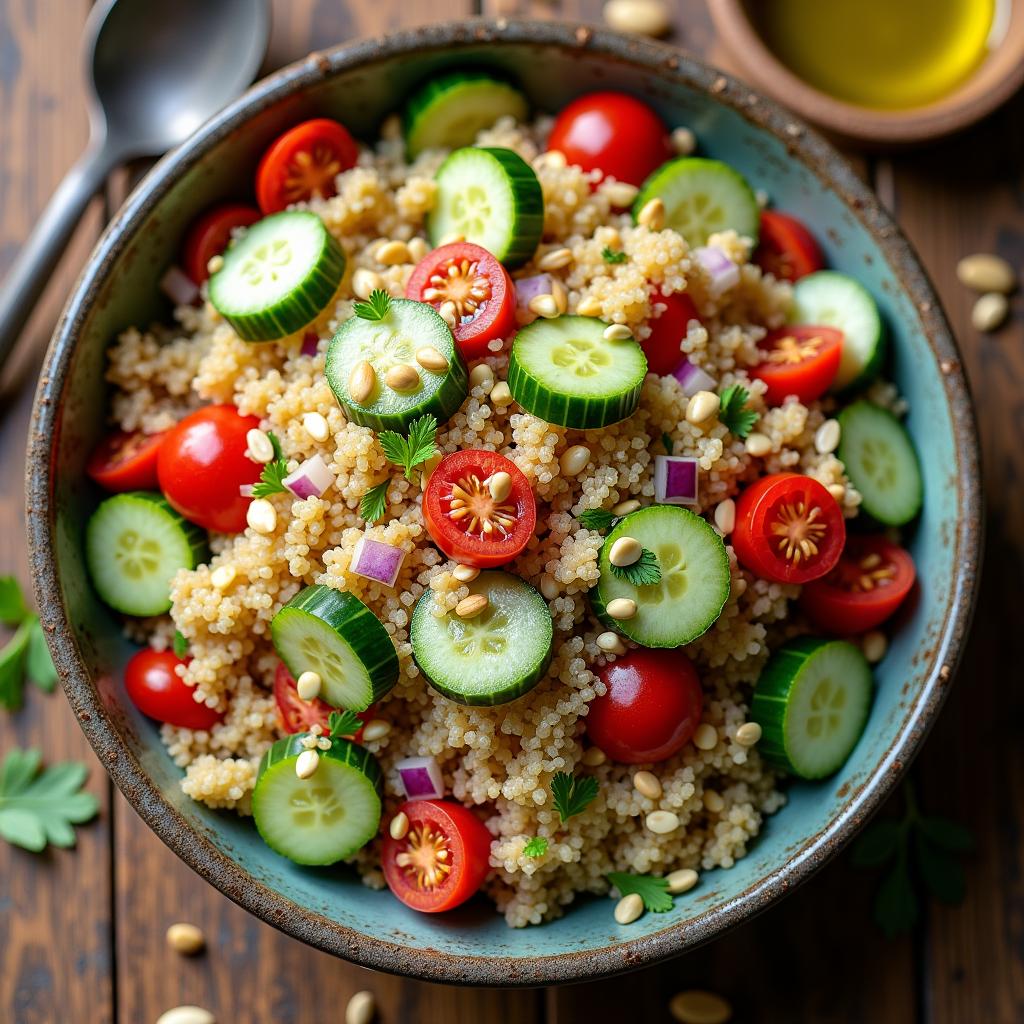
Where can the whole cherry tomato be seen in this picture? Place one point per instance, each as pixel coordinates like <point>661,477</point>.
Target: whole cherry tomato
<point>786,248</point>
<point>668,328</point>
<point>801,361</point>
<point>209,236</point>
<point>126,461</point>
<point>156,689</point>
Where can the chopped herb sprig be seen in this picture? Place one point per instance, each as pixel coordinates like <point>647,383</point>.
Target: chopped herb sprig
<point>376,307</point>
<point>599,519</point>
<point>343,723</point>
<point>653,891</point>
<point>612,256</point>
<point>731,412</point>
<point>274,472</point>
<point>180,644</point>
<point>644,572</point>
<point>419,445</point>
<point>374,503</point>
<point>25,655</point>
<point>535,847</point>
<point>572,794</point>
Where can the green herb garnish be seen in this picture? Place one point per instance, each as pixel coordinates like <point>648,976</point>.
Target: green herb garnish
<point>732,413</point>
<point>644,572</point>
<point>572,794</point>
<point>611,256</point>
<point>666,443</point>
<point>596,519</point>
<point>274,472</point>
<point>374,503</point>
<point>376,308</point>
<point>653,891</point>
<point>180,644</point>
<point>535,847</point>
<point>12,604</point>
<point>408,452</point>
<point>25,655</point>
<point>343,723</point>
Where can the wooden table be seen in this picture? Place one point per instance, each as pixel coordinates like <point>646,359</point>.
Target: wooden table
<point>82,932</point>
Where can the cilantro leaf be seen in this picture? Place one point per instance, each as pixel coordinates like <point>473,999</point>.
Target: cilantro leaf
<point>877,843</point>
<point>374,503</point>
<point>12,666</point>
<point>642,573</point>
<point>611,256</point>
<point>418,446</point>
<point>180,644</point>
<point>896,906</point>
<point>949,835</point>
<point>38,663</point>
<point>666,443</point>
<point>12,603</point>
<point>535,847</point>
<point>732,413</point>
<point>377,308</point>
<point>36,807</point>
<point>596,518</point>
<point>941,872</point>
<point>572,794</point>
<point>271,479</point>
<point>343,723</point>
<point>653,891</point>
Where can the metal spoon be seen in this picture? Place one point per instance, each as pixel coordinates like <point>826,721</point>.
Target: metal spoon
<point>155,70</point>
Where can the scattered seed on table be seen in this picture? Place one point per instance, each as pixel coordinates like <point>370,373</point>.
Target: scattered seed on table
<point>629,908</point>
<point>187,1015</point>
<point>376,729</point>
<point>470,607</point>
<point>682,880</point>
<point>185,938</point>
<point>647,784</point>
<point>699,1007</point>
<point>621,608</point>
<point>748,734</point>
<point>990,312</point>
<point>640,17</point>
<point>399,827</point>
<point>361,1008</point>
<point>705,737</point>
<point>662,823</point>
<point>986,272</point>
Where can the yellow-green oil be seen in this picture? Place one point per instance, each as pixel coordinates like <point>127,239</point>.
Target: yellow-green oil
<point>878,53</point>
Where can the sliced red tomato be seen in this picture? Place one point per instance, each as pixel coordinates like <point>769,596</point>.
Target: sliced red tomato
<point>126,461</point>
<point>867,586</point>
<point>466,522</point>
<point>668,328</point>
<point>303,163</point>
<point>614,133</point>
<point>156,689</point>
<point>789,529</point>
<point>786,248</point>
<point>298,715</point>
<point>209,236</point>
<point>442,860</point>
<point>479,288</point>
<point>799,360</point>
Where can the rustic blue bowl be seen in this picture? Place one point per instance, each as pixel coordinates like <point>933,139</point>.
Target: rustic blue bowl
<point>359,84</point>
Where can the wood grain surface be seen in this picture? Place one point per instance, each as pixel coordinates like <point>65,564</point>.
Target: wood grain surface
<point>82,932</point>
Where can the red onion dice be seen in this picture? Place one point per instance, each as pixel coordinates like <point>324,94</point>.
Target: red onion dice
<point>724,274</point>
<point>311,479</point>
<point>310,343</point>
<point>375,560</point>
<point>421,778</point>
<point>675,480</point>
<point>693,378</point>
<point>528,288</point>
<point>179,287</point>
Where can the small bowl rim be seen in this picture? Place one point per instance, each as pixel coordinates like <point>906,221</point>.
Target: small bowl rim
<point>194,847</point>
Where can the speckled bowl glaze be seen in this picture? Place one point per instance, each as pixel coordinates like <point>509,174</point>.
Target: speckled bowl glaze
<point>359,84</point>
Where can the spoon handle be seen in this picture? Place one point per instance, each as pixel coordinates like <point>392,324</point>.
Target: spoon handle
<point>38,256</point>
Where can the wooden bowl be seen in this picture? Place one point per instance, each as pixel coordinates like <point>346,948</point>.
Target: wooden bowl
<point>1000,75</point>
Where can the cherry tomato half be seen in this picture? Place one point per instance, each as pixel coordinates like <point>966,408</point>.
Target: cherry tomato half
<point>303,163</point>
<point>801,361</point>
<point>209,236</point>
<point>668,329</point>
<point>614,133</point>
<point>789,529</point>
<point>202,463</point>
<point>479,286</point>
<point>159,692</point>
<point>415,871</point>
<point>786,248</point>
<point>651,709</point>
<point>126,462</point>
<point>863,590</point>
<point>298,715</point>
<point>466,522</point>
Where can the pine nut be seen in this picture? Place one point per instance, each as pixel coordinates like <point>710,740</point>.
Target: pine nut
<point>223,576</point>
<point>361,382</point>
<point>986,272</point>
<point>186,1015</point>
<point>611,643</point>
<point>705,737</point>
<point>826,437</point>
<point>549,587</point>
<point>376,729</point>
<point>365,282</point>
<point>555,259</point>
<point>470,607</point>
<point>590,306</point>
<point>465,573</point>
<point>315,424</point>
<point>307,764</point>
<point>625,551</point>
<point>186,939</point>
<point>361,1008</point>
<point>560,295</point>
<point>574,460</point>
<point>258,446</point>
<point>697,1007</point>
<point>393,253</point>
<point>215,264</point>
<point>758,445</point>
<point>639,17</point>
<point>990,312</point>
<point>647,784</point>
<point>874,645</point>
<point>481,376</point>
<point>308,686</point>
<point>629,908</point>
<point>713,802</point>
<point>702,406</point>
<point>593,757</point>
<point>725,516</point>
<point>661,823</point>
<point>501,395</point>
<point>399,827</point>
<point>620,193</point>
<point>552,158</point>
<point>430,359</point>
<point>402,377</point>
<point>652,216</point>
<point>682,880</point>
<point>261,516</point>
<point>418,248</point>
<point>762,198</point>
<point>838,491</point>
<point>500,486</point>
<point>617,332</point>
<point>625,507</point>
<point>544,305</point>
<point>748,734</point>
<point>621,608</point>
<point>448,313</point>
<point>684,142</point>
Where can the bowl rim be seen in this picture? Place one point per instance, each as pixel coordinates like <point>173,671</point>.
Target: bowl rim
<point>198,851</point>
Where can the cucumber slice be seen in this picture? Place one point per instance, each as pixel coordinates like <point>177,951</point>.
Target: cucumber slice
<point>493,658</point>
<point>278,276</point>
<point>565,371</point>
<point>451,109</point>
<point>325,818</point>
<point>812,702</point>
<point>701,197</point>
<point>384,344</point>
<point>695,579</point>
<point>828,298</point>
<point>134,544</point>
<point>490,197</point>
<point>881,461</point>
<point>335,635</point>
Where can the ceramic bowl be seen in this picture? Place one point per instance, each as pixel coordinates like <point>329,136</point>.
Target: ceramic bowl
<point>360,83</point>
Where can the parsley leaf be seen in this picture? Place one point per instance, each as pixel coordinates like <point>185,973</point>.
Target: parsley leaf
<point>731,412</point>
<point>642,573</point>
<point>572,794</point>
<point>418,446</point>
<point>38,663</point>
<point>596,518</point>
<point>666,443</point>
<point>344,723</point>
<point>12,666</point>
<point>275,443</point>
<point>653,891</point>
<point>535,847</point>
<point>12,603</point>
<point>36,807</point>
<point>180,644</point>
<point>271,479</point>
<point>611,256</point>
<point>377,308</point>
<point>374,503</point>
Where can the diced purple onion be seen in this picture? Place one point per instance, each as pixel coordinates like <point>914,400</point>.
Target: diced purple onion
<point>724,274</point>
<point>675,480</point>
<point>528,288</point>
<point>310,343</point>
<point>693,378</point>
<point>311,479</point>
<point>375,560</point>
<point>421,778</point>
<point>179,287</point>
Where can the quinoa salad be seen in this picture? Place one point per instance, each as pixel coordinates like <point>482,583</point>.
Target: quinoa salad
<point>512,505</point>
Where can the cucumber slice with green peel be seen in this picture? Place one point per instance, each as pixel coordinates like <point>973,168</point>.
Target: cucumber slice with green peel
<point>451,109</point>
<point>134,544</point>
<point>828,298</point>
<point>701,197</point>
<point>881,461</point>
<point>566,371</point>
<point>278,277</point>
<point>335,635</point>
<point>812,702</point>
<point>323,819</point>
<point>695,577</point>
<point>490,197</point>
<point>489,659</point>
<point>393,341</point>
